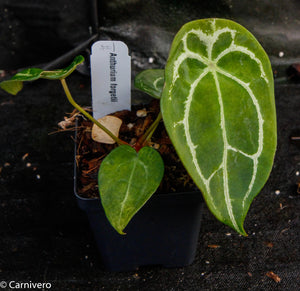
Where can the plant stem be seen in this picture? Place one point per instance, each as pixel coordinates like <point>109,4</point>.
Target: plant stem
<point>87,115</point>
<point>148,134</point>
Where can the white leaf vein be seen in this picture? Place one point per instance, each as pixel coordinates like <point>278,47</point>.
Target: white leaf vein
<point>155,83</point>
<point>127,191</point>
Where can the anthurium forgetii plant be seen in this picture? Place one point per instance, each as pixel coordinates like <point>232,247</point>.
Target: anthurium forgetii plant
<point>217,104</point>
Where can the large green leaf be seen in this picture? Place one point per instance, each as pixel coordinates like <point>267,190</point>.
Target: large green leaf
<point>219,110</point>
<point>151,82</point>
<point>15,84</point>
<point>127,179</point>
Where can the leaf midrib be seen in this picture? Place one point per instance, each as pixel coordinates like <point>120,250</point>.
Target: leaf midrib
<point>127,191</point>
<point>225,152</point>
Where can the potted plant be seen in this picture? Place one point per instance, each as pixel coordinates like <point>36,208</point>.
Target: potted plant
<point>216,97</point>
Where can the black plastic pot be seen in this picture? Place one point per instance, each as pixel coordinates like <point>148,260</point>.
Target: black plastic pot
<point>164,232</point>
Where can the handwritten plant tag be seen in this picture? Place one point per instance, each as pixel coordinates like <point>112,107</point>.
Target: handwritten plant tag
<point>111,77</point>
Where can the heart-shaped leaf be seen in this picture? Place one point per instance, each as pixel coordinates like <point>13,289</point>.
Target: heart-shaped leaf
<point>15,84</point>
<point>151,82</point>
<point>219,110</point>
<point>135,176</point>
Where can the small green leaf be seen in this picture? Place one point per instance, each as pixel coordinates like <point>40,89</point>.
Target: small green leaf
<point>151,82</point>
<point>219,110</point>
<point>12,86</point>
<point>15,84</point>
<point>135,176</point>
<point>63,73</point>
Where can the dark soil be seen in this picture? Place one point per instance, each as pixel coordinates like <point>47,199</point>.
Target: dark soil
<point>90,154</point>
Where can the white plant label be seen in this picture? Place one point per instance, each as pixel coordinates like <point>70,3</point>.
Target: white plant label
<point>111,77</point>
